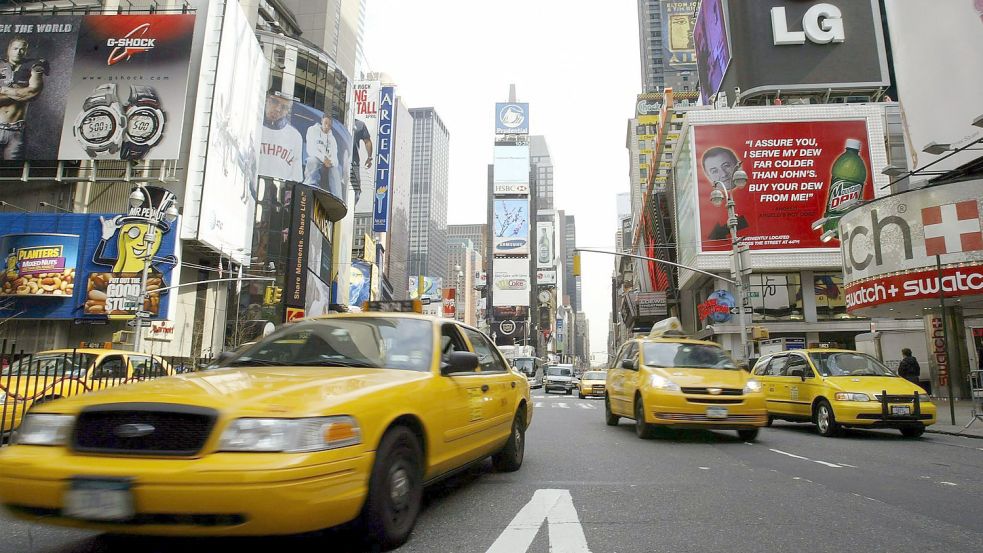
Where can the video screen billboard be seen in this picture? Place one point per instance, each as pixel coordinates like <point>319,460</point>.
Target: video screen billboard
<point>511,282</point>
<point>712,46</point>
<point>511,175</point>
<point>511,118</point>
<point>798,173</point>
<point>365,134</point>
<point>511,227</point>
<point>93,87</point>
<point>678,20</point>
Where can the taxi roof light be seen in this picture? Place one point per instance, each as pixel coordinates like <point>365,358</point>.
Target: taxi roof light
<point>407,306</point>
<point>670,327</point>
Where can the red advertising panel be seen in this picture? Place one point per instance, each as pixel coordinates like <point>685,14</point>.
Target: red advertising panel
<point>911,286</point>
<point>798,173</point>
<point>450,303</point>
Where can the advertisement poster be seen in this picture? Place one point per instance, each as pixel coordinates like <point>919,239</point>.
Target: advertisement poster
<point>39,264</point>
<point>545,248</point>
<point>677,34</point>
<point>511,227</point>
<point>511,170</point>
<point>798,173</point>
<point>94,87</point>
<point>318,296</point>
<point>432,288</point>
<point>299,239</point>
<point>127,244</point>
<point>383,163</point>
<point>360,283</point>
<point>229,185</point>
<point>511,283</point>
<point>366,132</point>
<point>450,303</point>
<point>511,118</point>
<point>712,46</point>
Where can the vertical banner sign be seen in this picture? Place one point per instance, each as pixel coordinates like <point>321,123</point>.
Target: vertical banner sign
<point>383,177</point>
<point>366,135</point>
<point>296,281</point>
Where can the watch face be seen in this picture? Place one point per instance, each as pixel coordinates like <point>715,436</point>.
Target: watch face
<point>98,126</point>
<point>142,125</point>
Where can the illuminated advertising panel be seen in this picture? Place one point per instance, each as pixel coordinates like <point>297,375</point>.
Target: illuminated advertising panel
<point>511,118</point>
<point>511,283</point>
<point>677,34</point>
<point>366,135</point>
<point>712,46</point>
<point>383,169</point>
<point>511,232</point>
<point>511,170</point>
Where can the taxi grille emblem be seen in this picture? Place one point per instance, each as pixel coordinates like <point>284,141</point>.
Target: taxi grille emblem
<point>714,391</point>
<point>133,430</point>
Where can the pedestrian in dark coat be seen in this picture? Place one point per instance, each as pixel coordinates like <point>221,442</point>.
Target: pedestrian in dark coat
<point>909,368</point>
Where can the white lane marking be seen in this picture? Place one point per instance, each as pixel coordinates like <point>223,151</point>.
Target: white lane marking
<point>562,405</point>
<point>566,535</point>
<point>586,406</point>
<point>824,463</point>
<point>704,468</point>
<point>948,483</point>
<point>537,404</point>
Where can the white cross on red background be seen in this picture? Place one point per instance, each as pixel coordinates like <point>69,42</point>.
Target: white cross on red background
<point>952,228</point>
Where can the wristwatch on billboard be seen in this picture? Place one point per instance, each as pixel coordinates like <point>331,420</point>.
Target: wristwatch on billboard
<point>144,122</point>
<point>100,126</point>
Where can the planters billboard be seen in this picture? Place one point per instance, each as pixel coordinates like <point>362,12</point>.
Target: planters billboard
<point>94,87</point>
<point>99,285</point>
<point>799,174</point>
<point>39,265</point>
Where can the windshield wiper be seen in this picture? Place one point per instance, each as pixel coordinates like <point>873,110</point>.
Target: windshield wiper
<point>336,363</point>
<point>253,363</point>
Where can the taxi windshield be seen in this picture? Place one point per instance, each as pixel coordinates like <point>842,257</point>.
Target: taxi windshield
<point>369,342</point>
<point>687,356</point>
<point>848,364</point>
<point>594,375</point>
<point>51,364</point>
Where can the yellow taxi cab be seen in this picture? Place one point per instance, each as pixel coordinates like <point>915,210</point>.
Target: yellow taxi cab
<point>834,388</point>
<point>325,421</point>
<point>49,375</point>
<point>592,384</point>
<point>668,380</point>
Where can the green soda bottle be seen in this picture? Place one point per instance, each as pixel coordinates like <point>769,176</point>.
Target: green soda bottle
<point>849,176</point>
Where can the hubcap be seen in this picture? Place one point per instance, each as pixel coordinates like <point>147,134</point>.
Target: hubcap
<point>399,487</point>
<point>518,442</point>
<point>823,418</point>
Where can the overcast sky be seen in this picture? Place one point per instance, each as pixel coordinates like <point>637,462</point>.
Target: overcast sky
<point>577,67</point>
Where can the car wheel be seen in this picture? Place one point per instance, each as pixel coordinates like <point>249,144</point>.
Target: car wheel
<point>826,420</point>
<point>581,395</point>
<point>770,420</point>
<point>609,418</point>
<point>643,429</point>
<point>509,458</point>
<point>748,435</point>
<point>567,392</point>
<point>913,432</point>
<point>395,489</point>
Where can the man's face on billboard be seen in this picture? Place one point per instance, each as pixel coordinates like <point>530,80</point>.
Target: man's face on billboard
<point>721,167</point>
<point>326,124</point>
<point>277,108</point>
<point>16,51</point>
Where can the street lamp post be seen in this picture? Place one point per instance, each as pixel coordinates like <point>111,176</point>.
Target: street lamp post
<point>719,196</point>
<point>139,197</point>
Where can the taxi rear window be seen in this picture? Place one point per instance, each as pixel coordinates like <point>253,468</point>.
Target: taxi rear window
<point>687,356</point>
<point>370,342</point>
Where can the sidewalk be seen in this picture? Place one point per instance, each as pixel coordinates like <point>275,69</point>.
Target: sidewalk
<point>964,410</point>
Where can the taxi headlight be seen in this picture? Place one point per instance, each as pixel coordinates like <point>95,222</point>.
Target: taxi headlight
<point>752,387</point>
<point>924,398</point>
<point>662,383</point>
<point>290,435</point>
<point>849,396</point>
<point>44,429</point>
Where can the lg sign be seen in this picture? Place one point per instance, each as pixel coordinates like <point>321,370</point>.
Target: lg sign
<point>822,24</point>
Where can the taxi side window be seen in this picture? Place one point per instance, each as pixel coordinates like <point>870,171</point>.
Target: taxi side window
<point>488,358</point>
<point>761,366</point>
<point>631,354</point>
<point>619,357</point>
<point>111,368</point>
<point>141,366</point>
<point>777,366</point>
<point>797,363</point>
<point>450,340</point>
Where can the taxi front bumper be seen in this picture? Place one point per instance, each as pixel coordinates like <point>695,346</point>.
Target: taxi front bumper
<point>225,494</point>
<point>875,414</point>
<point>680,410</point>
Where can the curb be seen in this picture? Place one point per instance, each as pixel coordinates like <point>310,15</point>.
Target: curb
<point>952,433</point>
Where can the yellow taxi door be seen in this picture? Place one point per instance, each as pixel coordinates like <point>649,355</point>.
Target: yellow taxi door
<point>500,396</point>
<point>798,381</point>
<point>776,385</point>
<point>622,402</point>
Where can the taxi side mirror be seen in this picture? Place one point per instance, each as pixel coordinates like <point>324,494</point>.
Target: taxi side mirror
<point>459,362</point>
<point>797,372</point>
<point>628,364</point>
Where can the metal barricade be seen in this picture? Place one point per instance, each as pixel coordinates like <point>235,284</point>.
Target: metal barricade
<point>976,390</point>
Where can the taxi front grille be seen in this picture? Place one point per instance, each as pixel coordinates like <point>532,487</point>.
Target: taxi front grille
<point>148,429</point>
<point>714,401</point>
<point>706,391</point>
<point>693,417</point>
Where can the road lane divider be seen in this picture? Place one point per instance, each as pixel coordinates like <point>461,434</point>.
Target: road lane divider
<point>556,509</point>
<point>794,456</point>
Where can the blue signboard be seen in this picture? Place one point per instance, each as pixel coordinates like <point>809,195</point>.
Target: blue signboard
<point>383,178</point>
<point>103,280</point>
<point>511,118</point>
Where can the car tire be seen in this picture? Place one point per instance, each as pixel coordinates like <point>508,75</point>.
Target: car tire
<point>610,418</point>
<point>913,432</point>
<point>568,392</point>
<point>770,420</point>
<point>748,435</point>
<point>643,429</point>
<point>395,489</point>
<point>581,395</point>
<point>825,420</point>
<point>509,458</point>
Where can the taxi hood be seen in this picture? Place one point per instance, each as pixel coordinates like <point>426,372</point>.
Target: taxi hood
<point>260,391</point>
<point>873,384</point>
<point>693,378</point>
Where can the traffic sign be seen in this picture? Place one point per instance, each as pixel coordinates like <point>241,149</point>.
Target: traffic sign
<point>143,322</point>
<point>737,310</point>
<point>425,300</point>
<point>144,314</point>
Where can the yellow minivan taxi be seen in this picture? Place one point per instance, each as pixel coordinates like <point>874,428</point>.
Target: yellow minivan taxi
<point>840,388</point>
<point>325,421</point>
<point>667,380</point>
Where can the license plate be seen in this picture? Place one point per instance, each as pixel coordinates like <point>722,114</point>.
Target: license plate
<point>900,410</point>
<point>93,499</point>
<point>716,413</point>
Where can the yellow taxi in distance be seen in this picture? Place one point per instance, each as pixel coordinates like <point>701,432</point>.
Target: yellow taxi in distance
<point>840,388</point>
<point>325,421</point>
<point>667,380</point>
<point>35,379</point>
<point>592,384</point>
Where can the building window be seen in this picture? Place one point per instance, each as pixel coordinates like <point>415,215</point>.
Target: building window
<point>830,296</point>
<point>776,297</point>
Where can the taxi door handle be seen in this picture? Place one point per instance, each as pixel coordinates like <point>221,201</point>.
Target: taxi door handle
<point>513,384</point>
<point>484,387</point>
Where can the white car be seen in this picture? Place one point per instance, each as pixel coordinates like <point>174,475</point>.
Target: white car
<point>559,377</point>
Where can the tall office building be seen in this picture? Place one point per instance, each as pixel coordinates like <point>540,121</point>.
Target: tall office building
<point>476,233</point>
<point>337,26</point>
<point>542,165</point>
<point>665,38</point>
<point>428,194</point>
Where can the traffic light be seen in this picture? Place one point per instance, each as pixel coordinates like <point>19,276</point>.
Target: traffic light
<point>576,264</point>
<point>268,295</point>
<point>277,292</point>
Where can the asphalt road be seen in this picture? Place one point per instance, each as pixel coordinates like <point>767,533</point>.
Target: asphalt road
<point>588,487</point>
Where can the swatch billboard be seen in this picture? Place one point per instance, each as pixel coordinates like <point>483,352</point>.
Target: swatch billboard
<point>511,227</point>
<point>94,87</point>
<point>799,173</point>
